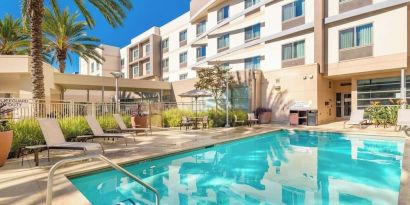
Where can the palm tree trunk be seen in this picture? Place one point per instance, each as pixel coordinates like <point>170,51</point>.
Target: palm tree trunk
<point>61,57</point>
<point>37,77</point>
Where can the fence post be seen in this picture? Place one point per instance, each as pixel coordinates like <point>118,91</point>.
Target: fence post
<point>71,108</point>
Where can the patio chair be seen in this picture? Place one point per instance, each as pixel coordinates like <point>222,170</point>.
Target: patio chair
<point>252,119</point>
<point>236,121</point>
<point>99,133</point>
<point>403,119</point>
<point>356,118</point>
<point>124,128</point>
<point>54,138</point>
<point>205,122</point>
<point>184,122</point>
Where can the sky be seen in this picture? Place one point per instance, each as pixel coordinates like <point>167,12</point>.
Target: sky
<point>144,15</point>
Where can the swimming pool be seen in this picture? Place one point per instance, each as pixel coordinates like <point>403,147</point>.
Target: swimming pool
<point>282,167</point>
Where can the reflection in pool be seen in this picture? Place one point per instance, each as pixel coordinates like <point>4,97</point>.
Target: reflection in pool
<point>283,167</point>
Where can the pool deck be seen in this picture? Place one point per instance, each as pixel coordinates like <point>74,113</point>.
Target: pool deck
<point>27,184</point>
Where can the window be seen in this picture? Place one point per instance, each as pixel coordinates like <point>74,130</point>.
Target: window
<point>122,62</point>
<point>92,67</point>
<point>253,63</point>
<point>135,54</point>
<point>147,48</point>
<point>200,28</point>
<point>249,3</point>
<point>252,32</point>
<point>165,79</point>
<point>183,57</point>
<point>136,71</point>
<point>225,66</point>
<point>165,64</point>
<point>293,10</point>
<point>183,76</point>
<point>148,69</point>
<point>343,1</point>
<point>223,13</point>
<point>356,37</point>
<point>98,66</point>
<point>165,45</point>
<point>182,36</point>
<point>200,53</point>
<point>223,42</point>
<point>381,90</point>
<point>293,50</point>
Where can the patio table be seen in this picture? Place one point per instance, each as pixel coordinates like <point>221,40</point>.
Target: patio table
<point>195,120</point>
<point>37,149</point>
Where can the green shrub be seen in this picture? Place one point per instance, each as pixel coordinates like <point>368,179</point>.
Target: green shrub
<point>107,122</point>
<point>26,132</point>
<point>217,118</point>
<point>73,127</point>
<point>382,115</point>
<point>173,116</point>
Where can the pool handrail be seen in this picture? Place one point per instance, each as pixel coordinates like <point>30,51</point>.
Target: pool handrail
<point>50,178</point>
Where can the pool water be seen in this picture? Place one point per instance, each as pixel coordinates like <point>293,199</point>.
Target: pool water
<point>282,167</point>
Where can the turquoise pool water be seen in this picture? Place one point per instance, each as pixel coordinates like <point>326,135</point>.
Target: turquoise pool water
<point>283,167</point>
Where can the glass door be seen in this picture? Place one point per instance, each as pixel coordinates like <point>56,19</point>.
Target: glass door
<point>343,104</point>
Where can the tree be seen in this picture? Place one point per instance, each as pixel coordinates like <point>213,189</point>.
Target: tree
<point>64,34</point>
<point>13,39</point>
<point>33,13</point>
<point>214,80</point>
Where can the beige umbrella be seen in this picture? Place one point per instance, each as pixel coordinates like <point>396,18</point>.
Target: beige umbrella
<point>196,94</point>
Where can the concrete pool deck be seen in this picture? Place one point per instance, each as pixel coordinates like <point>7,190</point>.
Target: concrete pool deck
<point>27,184</point>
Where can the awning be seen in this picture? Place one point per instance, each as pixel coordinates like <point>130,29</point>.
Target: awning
<point>200,42</point>
<point>241,23</point>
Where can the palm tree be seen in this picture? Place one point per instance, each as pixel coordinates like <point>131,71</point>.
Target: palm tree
<point>64,34</point>
<point>33,13</point>
<point>13,39</point>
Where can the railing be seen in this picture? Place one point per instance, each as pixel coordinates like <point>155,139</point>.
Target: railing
<point>50,179</point>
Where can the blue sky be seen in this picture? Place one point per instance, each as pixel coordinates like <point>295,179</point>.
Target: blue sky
<point>144,15</point>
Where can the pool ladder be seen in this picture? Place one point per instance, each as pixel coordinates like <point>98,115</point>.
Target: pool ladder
<point>50,179</point>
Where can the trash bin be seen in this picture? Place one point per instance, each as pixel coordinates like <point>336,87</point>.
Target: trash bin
<point>312,118</point>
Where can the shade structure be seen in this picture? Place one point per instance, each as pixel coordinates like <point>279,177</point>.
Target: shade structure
<point>196,94</point>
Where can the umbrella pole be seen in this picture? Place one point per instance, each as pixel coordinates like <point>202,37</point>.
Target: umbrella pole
<point>196,112</point>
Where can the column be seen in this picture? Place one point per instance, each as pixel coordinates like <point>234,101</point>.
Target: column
<point>403,88</point>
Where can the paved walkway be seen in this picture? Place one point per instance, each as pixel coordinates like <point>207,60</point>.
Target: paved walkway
<point>27,184</point>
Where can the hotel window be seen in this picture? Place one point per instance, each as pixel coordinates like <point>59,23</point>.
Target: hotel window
<point>200,53</point>
<point>147,48</point>
<point>183,58</point>
<point>122,62</point>
<point>92,67</point>
<point>98,66</point>
<point>293,50</point>
<point>356,37</point>
<point>183,76</point>
<point>223,13</point>
<point>183,35</point>
<point>225,66</point>
<point>249,3</point>
<point>293,10</point>
<point>135,54</point>
<point>165,45</point>
<point>200,28</point>
<point>136,71</point>
<point>148,69</point>
<point>252,32</point>
<point>165,65</point>
<point>253,63</point>
<point>223,42</point>
<point>382,90</point>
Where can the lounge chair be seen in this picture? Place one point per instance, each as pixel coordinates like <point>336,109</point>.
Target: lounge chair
<point>236,121</point>
<point>403,119</point>
<point>55,138</point>
<point>185,122</point>
<point>99,133</point>
<point>356,118</point>
<point>252,119</point>
<point>124,128</point>
<point>205,122</point>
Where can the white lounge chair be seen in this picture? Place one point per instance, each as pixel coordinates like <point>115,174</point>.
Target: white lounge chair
<point>124,128</point>
<point>55,138</point>
<point>252,119</point>
<point>236,121</point>
<point>98,132</point>
<point>356,118</point>
<point>403,119</point>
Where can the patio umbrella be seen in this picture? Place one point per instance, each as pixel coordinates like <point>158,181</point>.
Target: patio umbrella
<point>196,94</point>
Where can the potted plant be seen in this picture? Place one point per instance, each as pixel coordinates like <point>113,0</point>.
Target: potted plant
<point>264,115</point>
<point>6,134</point>
<point>139,119</point>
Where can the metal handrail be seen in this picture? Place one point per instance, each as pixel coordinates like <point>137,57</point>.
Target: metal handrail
<point>50,179</point>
